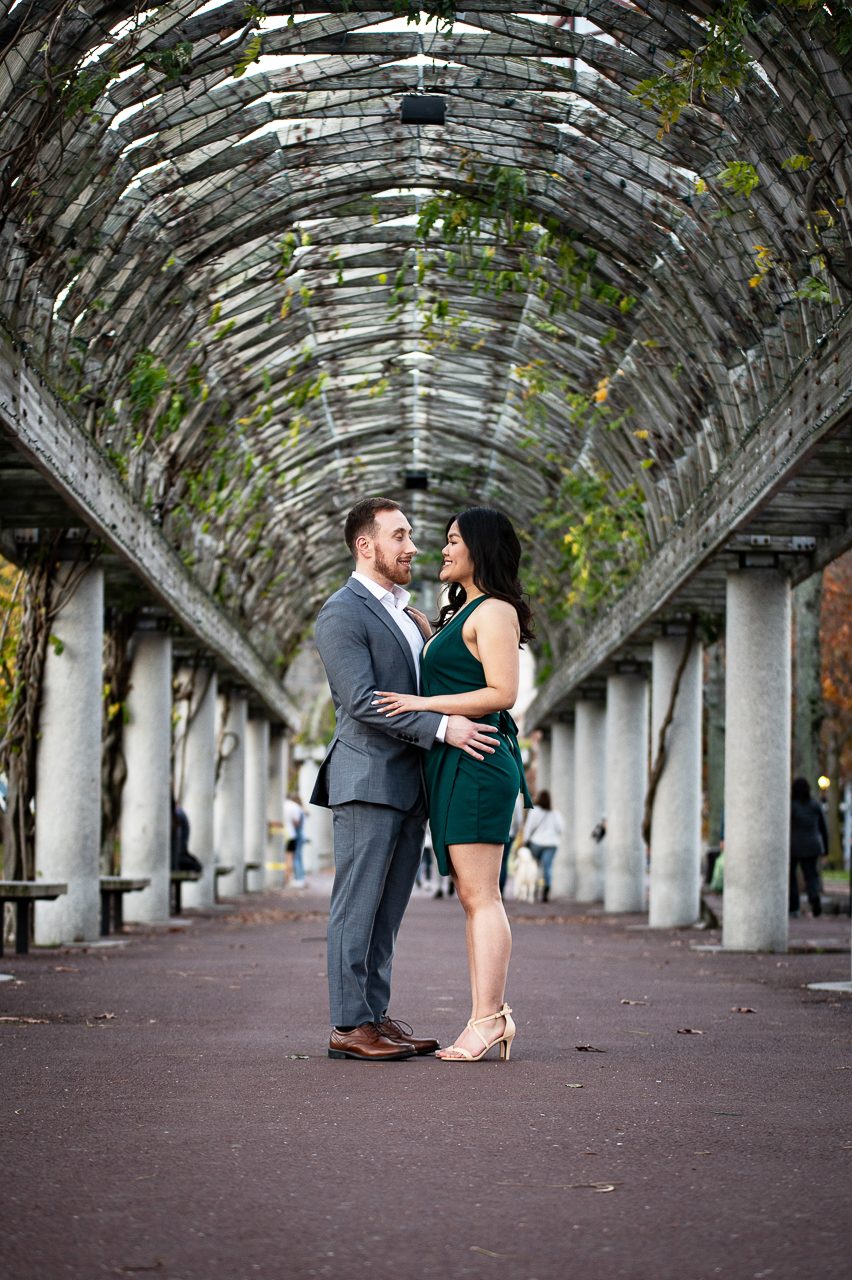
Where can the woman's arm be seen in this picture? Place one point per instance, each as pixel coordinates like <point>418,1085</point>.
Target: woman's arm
<point>496,635</point>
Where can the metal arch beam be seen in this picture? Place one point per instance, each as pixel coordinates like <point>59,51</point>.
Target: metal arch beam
<point>62,452</point>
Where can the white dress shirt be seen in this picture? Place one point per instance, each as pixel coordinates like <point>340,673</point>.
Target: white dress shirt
<point>395,601</point>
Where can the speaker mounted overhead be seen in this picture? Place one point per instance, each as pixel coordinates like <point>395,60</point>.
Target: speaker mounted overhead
<point>420,108</point>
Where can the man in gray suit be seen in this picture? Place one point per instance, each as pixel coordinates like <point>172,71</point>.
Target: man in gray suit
<point>372,778</point>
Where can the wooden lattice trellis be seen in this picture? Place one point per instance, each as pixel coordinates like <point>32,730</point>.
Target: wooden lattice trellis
<point>149,201</point>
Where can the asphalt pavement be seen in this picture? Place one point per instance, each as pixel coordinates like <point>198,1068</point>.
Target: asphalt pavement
<point>168,1107</point>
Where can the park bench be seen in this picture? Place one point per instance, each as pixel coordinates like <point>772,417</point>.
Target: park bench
<point>178,879</point>
<point>113,889</point>
<point>23,893</point>
<point>217,872</point>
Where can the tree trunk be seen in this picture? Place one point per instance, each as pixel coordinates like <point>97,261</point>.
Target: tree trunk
<point>810,711</point>
<point>113,766</point>
<point>714,701</point>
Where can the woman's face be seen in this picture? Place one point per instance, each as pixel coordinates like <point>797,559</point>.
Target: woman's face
<point>458,562</point>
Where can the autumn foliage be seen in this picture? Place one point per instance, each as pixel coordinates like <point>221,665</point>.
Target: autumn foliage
<point>836,640</point>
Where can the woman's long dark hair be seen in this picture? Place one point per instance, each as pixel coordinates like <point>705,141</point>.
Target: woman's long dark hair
<point>801,789</point>
<point>496,553</point>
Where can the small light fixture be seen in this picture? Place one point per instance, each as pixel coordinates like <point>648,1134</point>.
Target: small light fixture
<point>824,782</point>
<point>417,479</point>
<point>420,108</point>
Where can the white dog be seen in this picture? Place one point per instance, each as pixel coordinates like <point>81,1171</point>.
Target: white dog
<point>526,875</point>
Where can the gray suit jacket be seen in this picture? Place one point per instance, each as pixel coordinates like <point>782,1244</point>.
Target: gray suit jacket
<point>370,758</point>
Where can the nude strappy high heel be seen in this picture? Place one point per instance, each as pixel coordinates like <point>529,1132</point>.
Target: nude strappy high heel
<point>504,1041</point>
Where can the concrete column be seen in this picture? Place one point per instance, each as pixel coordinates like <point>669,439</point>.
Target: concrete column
<point>757,761</point>
<point>318,852</point>
<point>562,798</point>
<point>675,897</point>
<point>277,791</point>
<point>589,798</point>
<point>257,798</point>
<point>195,775</point>
<point>229,806</point>
<point>146,801</point>
<point>68,762</point>
<point>626,784</point>
<point>544,771</point>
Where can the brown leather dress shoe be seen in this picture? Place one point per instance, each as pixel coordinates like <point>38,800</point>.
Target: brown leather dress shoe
<point>401,1033</point>
<point>367,1042</point>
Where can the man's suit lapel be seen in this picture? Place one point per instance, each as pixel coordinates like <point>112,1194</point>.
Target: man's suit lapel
<point>378,609</point>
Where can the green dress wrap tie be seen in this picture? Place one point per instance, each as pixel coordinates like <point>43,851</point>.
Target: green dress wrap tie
<point>470,801</point>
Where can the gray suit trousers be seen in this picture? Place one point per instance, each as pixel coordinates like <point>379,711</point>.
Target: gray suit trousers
<point>376,856</point>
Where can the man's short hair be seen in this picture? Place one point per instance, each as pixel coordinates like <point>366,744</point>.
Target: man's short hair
<point>362,519</point>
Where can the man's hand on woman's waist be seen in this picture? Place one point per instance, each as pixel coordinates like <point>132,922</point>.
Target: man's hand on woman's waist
<point>467,735</point>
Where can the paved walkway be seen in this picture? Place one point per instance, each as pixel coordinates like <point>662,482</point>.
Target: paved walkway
<point>176,1113</point>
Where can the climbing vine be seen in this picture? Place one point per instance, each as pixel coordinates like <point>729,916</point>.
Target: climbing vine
<point>723,61</point>
<point>119,626</point>
<point>501,244</point>
<point>42,601</point>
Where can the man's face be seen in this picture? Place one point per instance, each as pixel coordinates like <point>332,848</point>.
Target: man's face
<point>391,550</point>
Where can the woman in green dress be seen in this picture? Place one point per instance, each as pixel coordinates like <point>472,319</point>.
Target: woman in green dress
<point>470,667</point>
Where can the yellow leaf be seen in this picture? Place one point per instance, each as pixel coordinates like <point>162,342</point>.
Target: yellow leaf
<point>641,435</point>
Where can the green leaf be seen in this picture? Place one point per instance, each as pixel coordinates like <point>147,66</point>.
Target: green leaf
<point>740,177</point>
<point>250,55</point>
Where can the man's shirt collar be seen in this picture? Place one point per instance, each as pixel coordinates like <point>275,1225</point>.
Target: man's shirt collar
<point>397,597</point>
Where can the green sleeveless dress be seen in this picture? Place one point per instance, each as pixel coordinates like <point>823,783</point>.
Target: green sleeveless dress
<point>470,801</point>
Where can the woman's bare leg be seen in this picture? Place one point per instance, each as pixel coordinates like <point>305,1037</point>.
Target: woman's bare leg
<point>469,942</point>
<point>476,875</point>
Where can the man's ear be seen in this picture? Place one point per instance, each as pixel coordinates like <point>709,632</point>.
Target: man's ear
<point>364,546</point>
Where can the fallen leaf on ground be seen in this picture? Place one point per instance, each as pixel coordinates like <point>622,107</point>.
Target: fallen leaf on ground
<point>579,1086</point>
<point>104,1016</point>
<point>701,1153</point>
<point>64,968</point>
<point>589,1048</point>
<point>474,1248</point>
<point>742,1008</point>
<point>689,1031</point>
<point>843,1068</point>
<point>634,1002</point>
<point>298,1055</point>
<point>30,1021</point>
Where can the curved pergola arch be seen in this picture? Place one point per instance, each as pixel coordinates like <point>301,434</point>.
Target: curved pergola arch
<point>154,218</point>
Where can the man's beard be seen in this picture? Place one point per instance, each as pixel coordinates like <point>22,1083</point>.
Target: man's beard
<point>393,570</point>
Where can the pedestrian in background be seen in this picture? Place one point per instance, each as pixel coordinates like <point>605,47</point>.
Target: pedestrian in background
<point>294,816</point>
<point>808,843</point>
<point>542,834</point>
